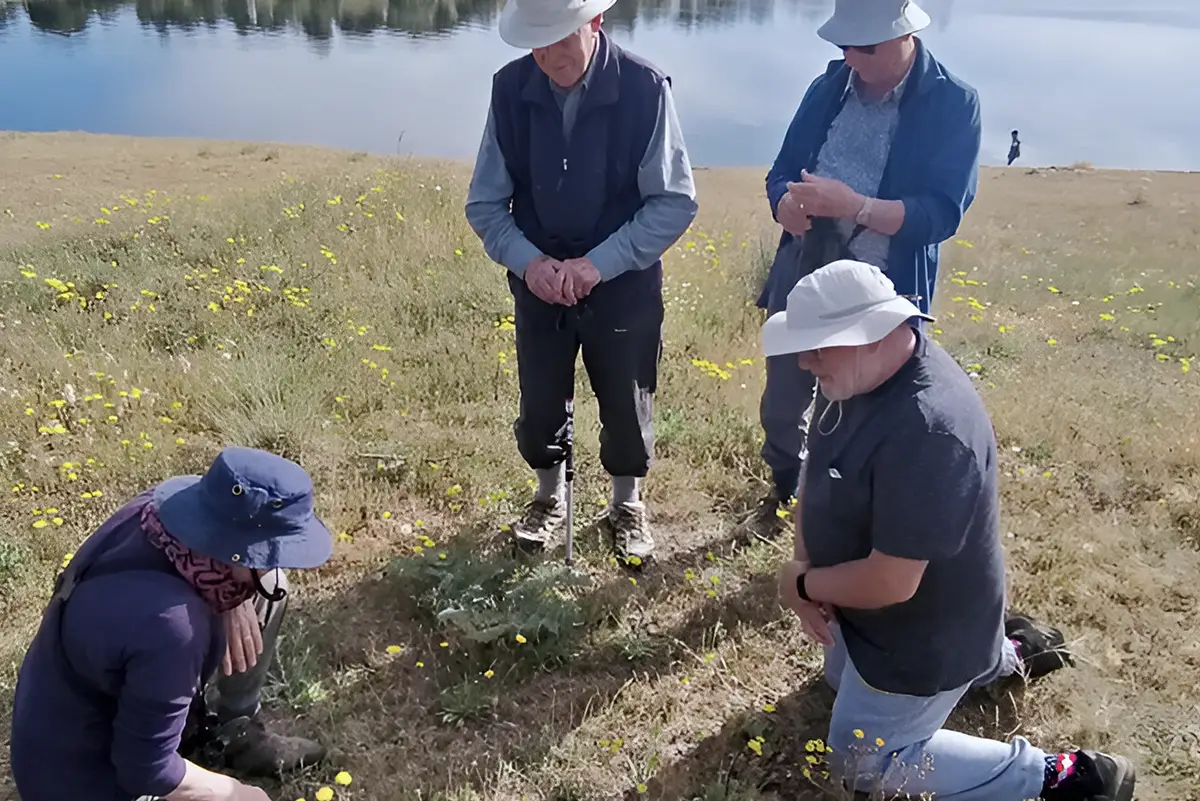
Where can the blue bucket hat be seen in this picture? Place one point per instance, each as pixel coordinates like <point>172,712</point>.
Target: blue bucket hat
<point>252,508</point>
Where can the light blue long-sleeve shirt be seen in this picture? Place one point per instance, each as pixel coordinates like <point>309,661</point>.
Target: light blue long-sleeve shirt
<point>664,179</point>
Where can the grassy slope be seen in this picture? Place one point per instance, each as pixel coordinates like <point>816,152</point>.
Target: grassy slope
<point>336,308</point>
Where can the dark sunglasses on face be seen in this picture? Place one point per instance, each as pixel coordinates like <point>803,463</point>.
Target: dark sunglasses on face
<point>867,49</point>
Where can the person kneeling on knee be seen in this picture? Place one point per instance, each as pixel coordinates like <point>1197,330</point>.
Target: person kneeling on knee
<point>898,568</point>
<point>182,590</point>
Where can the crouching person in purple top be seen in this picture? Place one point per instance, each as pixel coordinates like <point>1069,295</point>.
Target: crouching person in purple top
<point>183,581</point>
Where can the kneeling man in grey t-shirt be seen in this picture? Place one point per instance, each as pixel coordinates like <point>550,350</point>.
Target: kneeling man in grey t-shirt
<point>899,568</point>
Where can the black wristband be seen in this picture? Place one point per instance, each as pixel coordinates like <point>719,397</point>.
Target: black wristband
<point>803,593</point>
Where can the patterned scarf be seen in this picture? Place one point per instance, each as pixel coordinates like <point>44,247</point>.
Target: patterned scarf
<point>214,581</point>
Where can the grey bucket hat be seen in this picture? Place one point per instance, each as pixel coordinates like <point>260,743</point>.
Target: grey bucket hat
<point>860,23</point>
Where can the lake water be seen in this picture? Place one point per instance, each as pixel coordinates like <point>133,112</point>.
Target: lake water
<point>1083,80</point>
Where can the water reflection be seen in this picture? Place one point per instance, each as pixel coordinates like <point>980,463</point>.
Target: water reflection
<point>332,72</point>
<point>319,19</point>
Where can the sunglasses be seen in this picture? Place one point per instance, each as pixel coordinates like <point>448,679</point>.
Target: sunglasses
<point>866,49</point>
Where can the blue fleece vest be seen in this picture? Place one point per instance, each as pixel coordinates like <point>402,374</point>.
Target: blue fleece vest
<point>569,196</point>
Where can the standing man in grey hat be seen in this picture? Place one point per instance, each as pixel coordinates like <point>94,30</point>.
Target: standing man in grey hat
<point>879,163</point>
<point>582,182</point>
<point>182,584</point>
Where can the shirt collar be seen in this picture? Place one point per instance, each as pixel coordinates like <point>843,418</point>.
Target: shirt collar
<point>893,95</point>
<point>585,82</point>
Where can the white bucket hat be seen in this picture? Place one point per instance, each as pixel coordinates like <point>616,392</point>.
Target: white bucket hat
<point>846,303</point>
<point>540,23</point>
<point>859,23</point>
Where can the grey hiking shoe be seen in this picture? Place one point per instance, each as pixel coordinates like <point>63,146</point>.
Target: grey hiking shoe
<point>540,523</point>
<point>632,542</point>
<point>245,746</point>
<point>766,522</point>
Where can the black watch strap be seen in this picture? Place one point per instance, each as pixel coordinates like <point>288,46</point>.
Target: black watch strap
<point>800,590</point>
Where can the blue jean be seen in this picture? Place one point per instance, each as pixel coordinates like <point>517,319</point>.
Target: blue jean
<point>920,757</point>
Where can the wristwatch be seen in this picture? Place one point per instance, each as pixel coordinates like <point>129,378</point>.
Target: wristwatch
<point>803,593</point>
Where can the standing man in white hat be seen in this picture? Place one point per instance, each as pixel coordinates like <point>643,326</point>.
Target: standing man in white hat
<point>582,182</point>
<point>879,163</point>
<point>902,580</point>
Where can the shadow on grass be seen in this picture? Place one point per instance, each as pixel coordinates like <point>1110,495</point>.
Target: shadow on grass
<point>778,768</point>
<point>463,694</point>
<point>458,696</point>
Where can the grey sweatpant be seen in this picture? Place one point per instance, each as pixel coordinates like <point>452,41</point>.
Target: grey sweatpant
<point>622,366</point>
<point>785,408</point>
<point>241,693</point>
<point>785,412</point>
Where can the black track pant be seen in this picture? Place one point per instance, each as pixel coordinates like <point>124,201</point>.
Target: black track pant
<point>622,366</point>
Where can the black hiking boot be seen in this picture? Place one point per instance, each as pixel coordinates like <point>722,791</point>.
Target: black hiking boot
<point>245,746</point>
<point>767,522</point>
<point>1088,776</point>
<point>1042,648</point>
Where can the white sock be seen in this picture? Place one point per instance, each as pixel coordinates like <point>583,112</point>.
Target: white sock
<point>552,483</point>
<point>624,490</point>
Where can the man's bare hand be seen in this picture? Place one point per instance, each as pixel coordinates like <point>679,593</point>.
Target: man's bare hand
<point>792,215</point>
<point>814,622</point>
<point>814,617</point>
<point>583,278</point>
<point>244,639</point>
<point>248,792</point>
<point>825,197</point>
<point>545,277</point>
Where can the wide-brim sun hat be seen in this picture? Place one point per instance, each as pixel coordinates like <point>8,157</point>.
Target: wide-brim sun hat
<point>846,303</point>
<point>529,24</point>
<point>861,23</point>
<point>251,508</point>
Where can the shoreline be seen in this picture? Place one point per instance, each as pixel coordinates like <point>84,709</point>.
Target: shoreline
<point>84,137</point>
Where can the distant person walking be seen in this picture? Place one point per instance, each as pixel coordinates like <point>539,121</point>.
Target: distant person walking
<point>1014,150</point>
<point>880,162</point>
<point>583,143</point>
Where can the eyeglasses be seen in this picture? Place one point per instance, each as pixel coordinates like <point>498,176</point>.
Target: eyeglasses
<point>866,49</point>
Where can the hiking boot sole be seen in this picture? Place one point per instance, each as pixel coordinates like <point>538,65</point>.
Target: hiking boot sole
<point>1125,779</point>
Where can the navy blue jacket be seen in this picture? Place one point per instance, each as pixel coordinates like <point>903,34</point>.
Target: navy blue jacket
<point>138,643</point>
<point>569,196</point>
<point>933,166</point>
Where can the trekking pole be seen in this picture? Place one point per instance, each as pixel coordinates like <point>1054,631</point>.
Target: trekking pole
<point>570,481</point>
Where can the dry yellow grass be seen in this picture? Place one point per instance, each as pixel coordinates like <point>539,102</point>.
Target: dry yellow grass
<point>336,308</point>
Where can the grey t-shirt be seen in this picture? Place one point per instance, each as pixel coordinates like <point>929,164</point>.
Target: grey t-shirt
<point>911,471</point>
